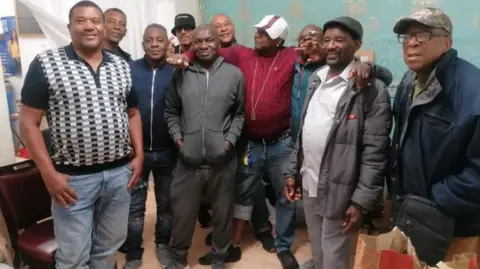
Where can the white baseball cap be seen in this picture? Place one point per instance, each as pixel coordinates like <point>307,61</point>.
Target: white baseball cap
<point>275,26</point>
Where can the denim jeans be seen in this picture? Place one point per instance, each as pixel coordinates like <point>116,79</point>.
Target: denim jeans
<point>161,166</point>
<point>270,159</point>
<point>260,214</point>
<point>90,232</point>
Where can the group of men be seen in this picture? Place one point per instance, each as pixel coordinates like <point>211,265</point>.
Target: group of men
<point>215,121</point>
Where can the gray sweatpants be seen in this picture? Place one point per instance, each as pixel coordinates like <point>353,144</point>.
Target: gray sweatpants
<point>188,186</point>
<point>331,249</point>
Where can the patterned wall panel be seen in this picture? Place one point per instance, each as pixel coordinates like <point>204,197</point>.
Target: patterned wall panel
<point>377,17</point>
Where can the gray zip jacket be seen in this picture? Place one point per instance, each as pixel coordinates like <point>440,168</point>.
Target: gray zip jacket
<point>354,163</point>
<point>205,109</point>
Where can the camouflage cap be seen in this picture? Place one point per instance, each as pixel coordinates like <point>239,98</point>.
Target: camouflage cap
<point>431,17</point>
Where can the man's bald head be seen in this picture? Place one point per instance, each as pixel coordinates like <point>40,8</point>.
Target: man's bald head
<point>225,29</point>
<point>220,16</point>
<point>205,28</point>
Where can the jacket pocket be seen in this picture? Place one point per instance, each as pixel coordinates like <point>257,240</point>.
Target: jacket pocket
<point>338,199</point>
<point>437,123</point>
<point>342,162</point>
<point>215,149</point>
<point>435,138</point>
<point>191,152</point>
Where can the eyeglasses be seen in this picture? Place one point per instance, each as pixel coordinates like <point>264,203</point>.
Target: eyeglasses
<point>420,37</point>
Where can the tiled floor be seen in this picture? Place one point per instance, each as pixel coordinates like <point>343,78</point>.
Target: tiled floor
<point>253,254</point>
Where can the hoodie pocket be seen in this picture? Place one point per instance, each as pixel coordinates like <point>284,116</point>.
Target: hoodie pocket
<point>215,149</point>
<point>191,152</point>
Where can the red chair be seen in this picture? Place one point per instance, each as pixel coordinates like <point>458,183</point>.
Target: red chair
<point>25,204</point>
<point>26,207</point>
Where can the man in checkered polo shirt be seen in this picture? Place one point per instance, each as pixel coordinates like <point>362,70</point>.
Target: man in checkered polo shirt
<point>87,97</point>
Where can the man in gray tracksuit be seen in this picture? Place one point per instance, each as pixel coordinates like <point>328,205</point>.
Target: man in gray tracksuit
<point>205,117</point>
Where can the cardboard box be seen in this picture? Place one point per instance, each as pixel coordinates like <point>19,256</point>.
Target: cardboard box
<point>366,55</point>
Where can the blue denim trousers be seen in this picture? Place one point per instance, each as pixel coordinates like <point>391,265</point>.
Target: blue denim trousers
<point>90,232</point>
<point>269,159</point>
<point>160,165</point>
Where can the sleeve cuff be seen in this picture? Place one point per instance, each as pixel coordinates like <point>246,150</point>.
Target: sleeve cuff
<point>34,104</point>
<point>177,136</point>
<point>361,208</point>
<point>373,70</point>
<point>232,139</point>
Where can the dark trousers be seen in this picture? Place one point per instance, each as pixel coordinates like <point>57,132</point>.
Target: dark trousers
<point>188,187</point>
<point>161,169</point>
<point>260,214</point>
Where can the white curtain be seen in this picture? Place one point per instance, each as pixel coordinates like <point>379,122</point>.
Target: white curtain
<point>52,16</point>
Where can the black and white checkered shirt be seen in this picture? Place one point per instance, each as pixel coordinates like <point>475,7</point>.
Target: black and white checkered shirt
<point>86,110</point>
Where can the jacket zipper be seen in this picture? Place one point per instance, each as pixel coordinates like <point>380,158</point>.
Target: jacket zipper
<point>205,114</point>
<point>151,109</point>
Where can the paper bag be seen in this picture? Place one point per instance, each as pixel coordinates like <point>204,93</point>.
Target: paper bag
<point>394,250</point>
<point>462,261</point>
<point>390,259</point>
<point>463,245</point>
<point>368,248</point>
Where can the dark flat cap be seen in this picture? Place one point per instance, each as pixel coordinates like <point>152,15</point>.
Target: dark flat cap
<point>353,26</point>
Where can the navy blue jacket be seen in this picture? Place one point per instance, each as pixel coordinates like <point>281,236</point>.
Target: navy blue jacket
<point>151,87</point>
<point>436,141</point>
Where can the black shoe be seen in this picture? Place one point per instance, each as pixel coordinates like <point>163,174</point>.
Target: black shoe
<point>234,255</point>
<point>218,265</point>
<point>208,239</point>
<point>204,219</point>
<point>287,260</point>
<point>268,242</point>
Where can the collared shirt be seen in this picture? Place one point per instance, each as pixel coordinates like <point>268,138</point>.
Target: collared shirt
<point>125,55</point>
<point>86,109</point>
<point>318,121</point>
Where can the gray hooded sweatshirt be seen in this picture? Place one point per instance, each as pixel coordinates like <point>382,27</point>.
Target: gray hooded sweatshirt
<point>205,108</point>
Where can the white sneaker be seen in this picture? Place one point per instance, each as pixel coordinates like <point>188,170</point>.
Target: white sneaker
<point>310,264</point>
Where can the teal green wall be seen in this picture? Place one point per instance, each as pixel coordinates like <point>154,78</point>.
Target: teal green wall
<point>377,17</point>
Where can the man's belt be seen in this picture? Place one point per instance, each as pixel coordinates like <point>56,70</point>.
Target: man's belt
<point>284,135</point>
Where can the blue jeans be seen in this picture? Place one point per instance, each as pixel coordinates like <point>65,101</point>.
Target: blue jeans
<point>270,159</point>
<point>161,166</point>
<point>260,214</point>
<point>90,232</point>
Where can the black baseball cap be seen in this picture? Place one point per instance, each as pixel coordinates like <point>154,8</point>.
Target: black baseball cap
<point>352,26</point>
<point>183,20</point>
